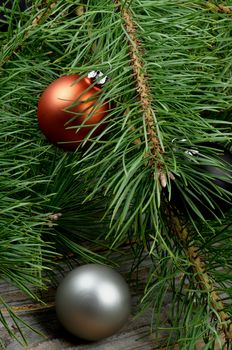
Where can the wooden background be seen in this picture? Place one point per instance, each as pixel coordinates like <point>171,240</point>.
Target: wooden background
<point>134,336</point>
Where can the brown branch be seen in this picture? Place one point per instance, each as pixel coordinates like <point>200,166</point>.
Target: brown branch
<point>52,218</point>
<point>46,11</point>
<point>191,252</point>
<point>223,9</point>
<point>218,8</point>
<point>199,267</point>
<point>29,308</point>
<point>143,90</point>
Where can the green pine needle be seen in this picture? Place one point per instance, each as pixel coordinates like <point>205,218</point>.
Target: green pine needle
<point>106,193</point>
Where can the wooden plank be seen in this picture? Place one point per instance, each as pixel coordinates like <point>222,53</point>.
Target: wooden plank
<point>135,335</point>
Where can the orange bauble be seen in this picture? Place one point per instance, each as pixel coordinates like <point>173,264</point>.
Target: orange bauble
<point>69,109</point>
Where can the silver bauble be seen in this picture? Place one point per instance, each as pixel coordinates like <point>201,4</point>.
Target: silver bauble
<point>93,301</point>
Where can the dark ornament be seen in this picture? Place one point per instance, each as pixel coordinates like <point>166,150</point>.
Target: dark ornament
<point>6,6</point>
<point>210,201</point>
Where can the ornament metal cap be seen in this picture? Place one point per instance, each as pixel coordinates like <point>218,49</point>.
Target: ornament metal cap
<point>98,76</point>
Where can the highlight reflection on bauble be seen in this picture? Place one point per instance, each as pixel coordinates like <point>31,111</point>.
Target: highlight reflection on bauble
<point>93,301</point>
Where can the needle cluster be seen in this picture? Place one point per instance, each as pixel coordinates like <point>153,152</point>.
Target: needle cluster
<point>111,191</point>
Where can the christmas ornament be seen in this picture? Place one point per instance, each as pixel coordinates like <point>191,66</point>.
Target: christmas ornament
<point>93,302</point>
<point>222,176</point>
<point>218,167</point>
<point>69,109</point>
<point>6,8</point>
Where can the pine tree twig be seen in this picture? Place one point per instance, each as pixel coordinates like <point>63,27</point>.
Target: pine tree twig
<point>143,91</point>
<point>29,308</point>
<point>36,21</point>
<point>52,218</point>
<point>199,267</point>
<point>80,10</point>
<point>223,9</point>
<point>219,8</point>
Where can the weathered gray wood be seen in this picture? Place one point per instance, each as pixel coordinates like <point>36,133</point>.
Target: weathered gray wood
<point>135,335</point>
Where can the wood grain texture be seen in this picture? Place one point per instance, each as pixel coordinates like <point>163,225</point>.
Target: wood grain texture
<point>134,336</point>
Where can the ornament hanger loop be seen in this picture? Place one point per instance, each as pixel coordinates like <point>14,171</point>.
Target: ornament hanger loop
<point>190,151</point>
<point>98,76</point>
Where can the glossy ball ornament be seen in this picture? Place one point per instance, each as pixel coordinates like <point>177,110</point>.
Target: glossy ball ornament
<point>69,109</point>
<point>220,176</point>
<point>93,302</point>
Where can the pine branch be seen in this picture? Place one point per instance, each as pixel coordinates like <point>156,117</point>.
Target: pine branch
<point>145,97</point>
<point>198,265</point>
<point>28,308</point>
<point>44,13</point>
<point>219,8</point>
<point>18,323</point>
<point>176,61</point>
